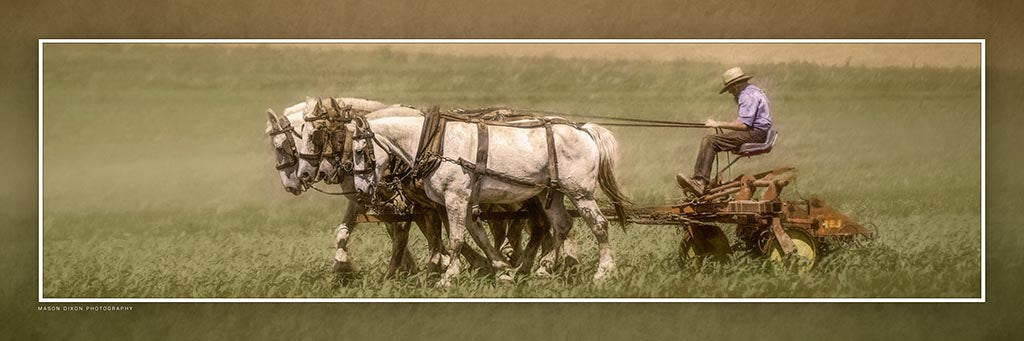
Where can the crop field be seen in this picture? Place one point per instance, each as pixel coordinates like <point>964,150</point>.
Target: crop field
<point>159,179</point>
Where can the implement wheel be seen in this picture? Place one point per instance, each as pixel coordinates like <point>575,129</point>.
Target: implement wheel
<point>704,241</point>
<point>803,258</point>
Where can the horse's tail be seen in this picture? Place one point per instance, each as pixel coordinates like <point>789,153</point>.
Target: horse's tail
<point>608,150</point>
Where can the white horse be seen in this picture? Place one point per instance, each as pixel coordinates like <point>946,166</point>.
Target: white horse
<point>283,131</point>
<point>586,159</point>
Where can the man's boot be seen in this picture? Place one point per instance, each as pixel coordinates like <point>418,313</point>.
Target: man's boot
<point>690,185</point>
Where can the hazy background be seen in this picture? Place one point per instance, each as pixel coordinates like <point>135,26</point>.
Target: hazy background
<point>836,54</point>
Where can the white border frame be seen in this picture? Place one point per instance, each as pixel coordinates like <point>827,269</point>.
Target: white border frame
<point>42,42</point>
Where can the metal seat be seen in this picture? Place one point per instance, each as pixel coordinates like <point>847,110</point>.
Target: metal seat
<point>751,149</point>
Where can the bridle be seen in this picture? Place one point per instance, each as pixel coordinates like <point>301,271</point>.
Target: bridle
<point>327,149</point>
<point>330,139</point>
<point>319,139</point>
<point>289,151</point>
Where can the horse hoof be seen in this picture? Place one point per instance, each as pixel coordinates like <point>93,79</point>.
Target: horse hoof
<point>412,270</point>
<point>435,268</point>
<point>504,278</point>
<point>570,262</point>
<point>542,272</point>
<point>444,283</point>
<point>342,266</point>
<point>603,274</point>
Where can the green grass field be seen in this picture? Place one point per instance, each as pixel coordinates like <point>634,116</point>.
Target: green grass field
<point>159,181</point>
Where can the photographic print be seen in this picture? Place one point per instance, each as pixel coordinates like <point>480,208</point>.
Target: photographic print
<point>507,170</point>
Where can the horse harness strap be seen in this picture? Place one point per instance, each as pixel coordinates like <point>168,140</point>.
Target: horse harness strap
<point>369,159</point>
<point>431,143</point>
<point>291,131</point>
<point>346,152</point>
<point>430,149</point>
<point>482,142</point>
<point>552,163</point>
<point>291,162</point>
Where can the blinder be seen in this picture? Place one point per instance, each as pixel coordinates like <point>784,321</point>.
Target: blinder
<point>330,139</point>
<point>287,148</point>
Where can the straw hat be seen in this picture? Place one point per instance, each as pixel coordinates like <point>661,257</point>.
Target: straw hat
<point>733,76</point>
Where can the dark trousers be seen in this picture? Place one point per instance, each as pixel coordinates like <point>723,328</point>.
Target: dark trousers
<point>728,141</point>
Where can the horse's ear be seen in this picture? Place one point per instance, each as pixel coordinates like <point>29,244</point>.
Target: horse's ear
<point>333,110</point>
<point>272,117</point>
<point>312,109</point>
<point>321,109</point>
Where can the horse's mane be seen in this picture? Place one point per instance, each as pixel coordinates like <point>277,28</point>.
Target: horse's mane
<point>394,111</point>
<point>295,113</point>
<point>362,104</point>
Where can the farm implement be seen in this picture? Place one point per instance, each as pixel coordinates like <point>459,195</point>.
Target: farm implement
<point>765,224</point>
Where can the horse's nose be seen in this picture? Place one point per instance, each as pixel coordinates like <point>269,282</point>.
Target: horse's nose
<point>304,175</point>
<point>321,175</point>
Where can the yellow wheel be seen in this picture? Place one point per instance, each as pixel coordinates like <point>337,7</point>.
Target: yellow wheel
<point>706,241</point>
<point>805,255</point>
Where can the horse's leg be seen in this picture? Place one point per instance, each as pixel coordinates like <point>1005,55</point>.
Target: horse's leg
<point>570,252</point>
<point>538,225</point>
<point>514,249</point>
<point>498,261</point>
<point>408,263</point>
<point>341,235</point>
<point>503,232</point>
<point>476,261</point>
<point>511,231</point>
<point>560,223</point>
<point>442,230</point>
<point>400,257</point>
<point>455,207</point>
<point>430,226</point>
<point>499,230</point>
<point>599,226</point>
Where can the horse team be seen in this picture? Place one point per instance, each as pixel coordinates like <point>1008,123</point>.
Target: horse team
<point>374,139</point>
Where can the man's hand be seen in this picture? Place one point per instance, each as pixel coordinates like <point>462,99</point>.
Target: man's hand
<point>712,123</point>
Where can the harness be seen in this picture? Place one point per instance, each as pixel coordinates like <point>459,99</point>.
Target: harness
<point>328,141</point>
<point>399,175</point>
<point>430,151</point>
<point>290,151</point>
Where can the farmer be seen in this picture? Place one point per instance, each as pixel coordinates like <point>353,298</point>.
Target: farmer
<point>751,126</point>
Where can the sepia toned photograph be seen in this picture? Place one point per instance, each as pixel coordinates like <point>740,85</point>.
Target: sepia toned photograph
<point>510,170</point>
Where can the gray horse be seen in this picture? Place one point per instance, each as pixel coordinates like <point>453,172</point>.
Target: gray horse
<point>586,157</point>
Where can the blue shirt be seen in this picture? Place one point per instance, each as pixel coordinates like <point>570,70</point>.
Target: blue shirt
<point>753,108</point>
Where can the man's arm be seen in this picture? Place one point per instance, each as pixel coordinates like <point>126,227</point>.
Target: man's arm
<point>746,112</point>
<point>734,125</point>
